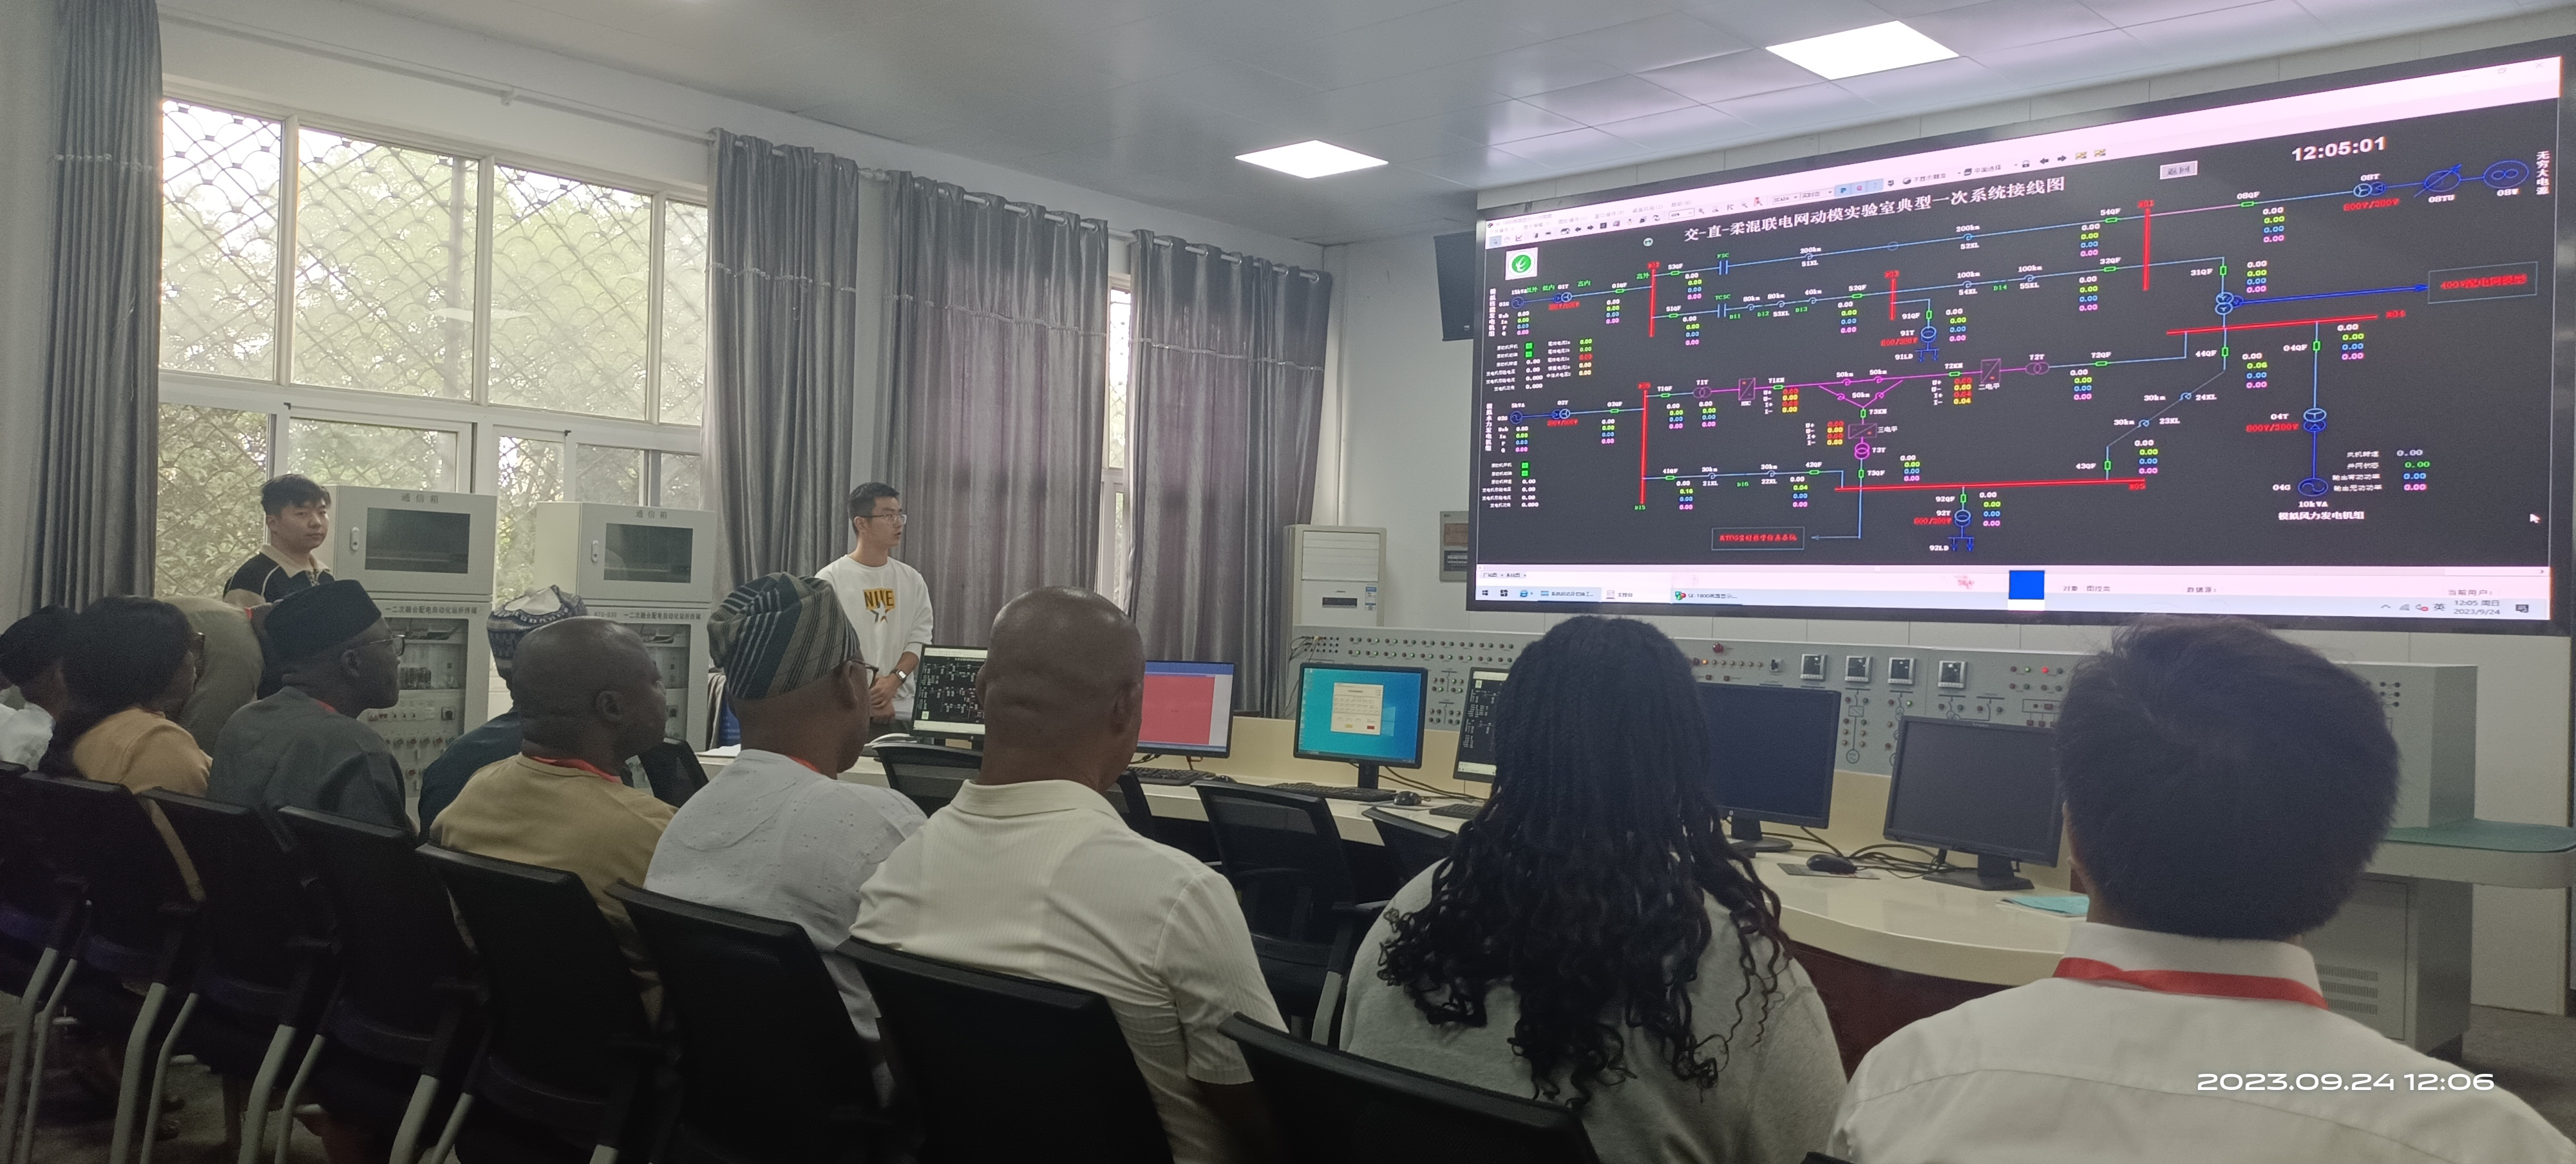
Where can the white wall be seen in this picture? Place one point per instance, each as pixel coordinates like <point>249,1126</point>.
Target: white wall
<point>1403,426</point>
<point>26,277</point>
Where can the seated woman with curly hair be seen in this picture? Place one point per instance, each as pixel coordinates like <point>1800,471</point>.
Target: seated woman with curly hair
<point>1593,941</point>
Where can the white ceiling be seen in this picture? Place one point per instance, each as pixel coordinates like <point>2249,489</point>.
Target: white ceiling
<point>1151,99</point>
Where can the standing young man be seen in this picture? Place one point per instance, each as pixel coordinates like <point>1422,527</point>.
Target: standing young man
<point>299,521</point>
<point>885,600</point>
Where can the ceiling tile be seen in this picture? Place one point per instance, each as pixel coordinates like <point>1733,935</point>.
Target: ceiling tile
<point>1907,10</point>
<point>1580,148</point>
<point>2128,12</point>
<point>1406,140</point>
<point>1388,48</point>
<point>2002,24</point>
<point>1733,75</point>
<point>1681,130</point>
<point>1957,81</point>
<point>1770,24</point>
<point>1506,121</point>
<point>1654,42</point>
<point>1801,108</point>
<point>2280,25</point>
<point>1616,99</point>
<point>1245,92</point>
<point>1407,96</point>
<point>1235,27</point>
<point>1480,168</point>
<point>1539,68</point>
<point>1554,18</point>
<point>2057,63</point>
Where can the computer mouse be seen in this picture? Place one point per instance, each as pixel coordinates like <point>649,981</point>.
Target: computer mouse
<point>1829,863</point>
<point>1407,799</point>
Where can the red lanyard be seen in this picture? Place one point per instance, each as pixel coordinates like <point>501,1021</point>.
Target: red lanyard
<point>2194,982</point>
<point>817,769</point>
<point>582,765</point>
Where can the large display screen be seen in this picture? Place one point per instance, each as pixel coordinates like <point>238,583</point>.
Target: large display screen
<point>2282,354</point>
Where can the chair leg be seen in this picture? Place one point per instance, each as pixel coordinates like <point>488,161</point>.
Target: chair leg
<point>151,1118</point>
<point>29,1003</point>
<point>254,1119</point>
<point>295,1091</point>
<point>25,1148</point>
<point>447,1135</point>
<point>424,1095</point>
<point>129,1090</point>
<point>604,1154</point>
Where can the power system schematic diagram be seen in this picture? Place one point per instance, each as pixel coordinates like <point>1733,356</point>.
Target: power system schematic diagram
<point>2320,347</point>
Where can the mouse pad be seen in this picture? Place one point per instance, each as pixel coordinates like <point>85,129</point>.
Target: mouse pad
<point>1803,871</point>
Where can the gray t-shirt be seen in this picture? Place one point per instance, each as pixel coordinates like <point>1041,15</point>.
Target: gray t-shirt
<point>1773,1102</point>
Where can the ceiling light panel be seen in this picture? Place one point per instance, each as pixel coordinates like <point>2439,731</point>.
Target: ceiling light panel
<point>1874,49</point>
<point>1311,159</point>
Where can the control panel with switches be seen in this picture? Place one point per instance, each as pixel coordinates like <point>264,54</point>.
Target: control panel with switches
<point>2432,708</point>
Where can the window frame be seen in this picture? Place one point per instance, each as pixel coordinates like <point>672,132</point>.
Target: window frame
<point>1117,503</point>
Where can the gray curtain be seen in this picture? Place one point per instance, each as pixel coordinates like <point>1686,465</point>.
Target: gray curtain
<point>998,355</point>
<point>102,387</point>
<point>785,321</point>
<point>1224,404</point>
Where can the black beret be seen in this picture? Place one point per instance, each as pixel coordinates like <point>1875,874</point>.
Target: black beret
<point>309,622</point>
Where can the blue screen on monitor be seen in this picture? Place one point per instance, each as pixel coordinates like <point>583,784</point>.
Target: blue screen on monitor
<point>1361,715</point>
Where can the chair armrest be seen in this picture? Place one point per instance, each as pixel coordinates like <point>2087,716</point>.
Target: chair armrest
<point>1361,909</point>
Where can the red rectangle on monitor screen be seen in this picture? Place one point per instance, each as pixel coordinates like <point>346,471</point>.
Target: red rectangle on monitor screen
<point>1178,708</point>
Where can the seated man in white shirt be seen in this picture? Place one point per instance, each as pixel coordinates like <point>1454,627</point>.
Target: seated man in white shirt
<point>775,834</point>
<point>2224,789</point>
<point>1031,872</point>
<point>31,656</point>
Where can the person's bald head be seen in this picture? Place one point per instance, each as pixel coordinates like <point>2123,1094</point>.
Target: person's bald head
<point>1065,676</point>
<point>587,684</point>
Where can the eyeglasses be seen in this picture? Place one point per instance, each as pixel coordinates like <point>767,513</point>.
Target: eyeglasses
<point>898,517</point>
<point>396,640</point>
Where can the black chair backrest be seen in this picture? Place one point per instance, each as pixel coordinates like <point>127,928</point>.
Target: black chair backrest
<point>928,773</point>
<point>673,770</point>
<point>1414,845</point>
<point>103,836</point>
<point>563,999</point>
<point>1284,855</point>
<point>962,1037</point>
<point>1132,805</point>
<point>770,1067</point>
<point>30,900</point>
<point>257,904</point>
<point>390,921</point>
<point>1333,1107</point>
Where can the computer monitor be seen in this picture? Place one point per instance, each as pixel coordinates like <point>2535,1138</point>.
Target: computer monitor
<point>1770,756</point>
<point>1189,709</point>
<point>1369,716</point>
<point>1983,788</point>
<point>1476,725</point>
<point>943,693</point>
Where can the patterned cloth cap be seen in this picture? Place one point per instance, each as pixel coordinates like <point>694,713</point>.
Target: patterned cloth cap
<point>512,620</point>
<point>779,632</point>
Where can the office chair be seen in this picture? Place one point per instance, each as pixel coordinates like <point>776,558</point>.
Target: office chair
<point>672,770</point>
<point>262,976</point>
<point>928,773</point>
<point>401,1026</point>
<point>570,1052</point>
<point>1132,807</point>
<point>1333,1107</point>
<point>141,927</point>
<point>41,911</point>
<point>1414,845</point>
<point>1284,855</point>
<point>959,1037</point>
<point>770,1067</point>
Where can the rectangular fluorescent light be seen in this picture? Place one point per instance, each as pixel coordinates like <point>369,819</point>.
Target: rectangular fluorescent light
<point>1310,159</point>
<point>1874,49</point>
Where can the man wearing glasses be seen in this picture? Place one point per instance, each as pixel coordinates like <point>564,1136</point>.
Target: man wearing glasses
<point>885,600</point>
<point>304,745</point>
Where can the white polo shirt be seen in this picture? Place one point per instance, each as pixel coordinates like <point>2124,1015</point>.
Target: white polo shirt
<point>1044,880</point>
<point>2110,1063</point>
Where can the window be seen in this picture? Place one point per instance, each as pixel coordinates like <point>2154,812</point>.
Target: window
<point>1110,578</point>
<point>408,314</point>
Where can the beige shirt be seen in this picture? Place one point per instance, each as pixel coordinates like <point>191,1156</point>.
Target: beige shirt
<point>569,819</point>
<point>2106,1073</point>
<point>1044,880</point>
<point>139,749</point>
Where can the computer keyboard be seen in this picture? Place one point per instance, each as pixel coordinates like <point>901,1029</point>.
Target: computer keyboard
<point>1341,792</point>
<point>1176,777</point>
<point>1461,811</point>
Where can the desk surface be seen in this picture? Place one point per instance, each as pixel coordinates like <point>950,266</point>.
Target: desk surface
<point>1901,923</point>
